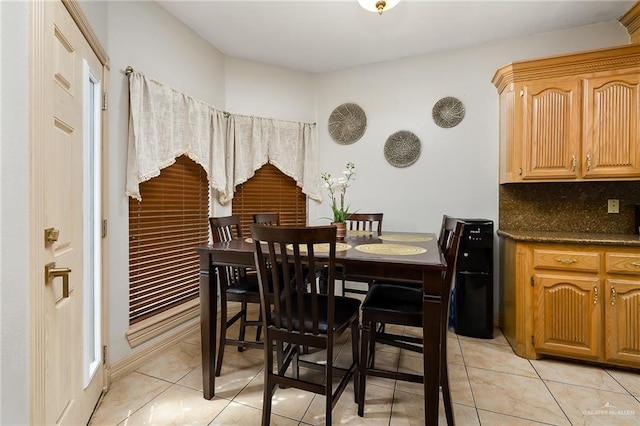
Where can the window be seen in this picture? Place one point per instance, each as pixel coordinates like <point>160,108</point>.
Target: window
<point>270,190</point>
<point>164,228</point>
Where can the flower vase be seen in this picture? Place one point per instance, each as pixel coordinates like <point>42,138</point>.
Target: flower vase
<point>341,232</point>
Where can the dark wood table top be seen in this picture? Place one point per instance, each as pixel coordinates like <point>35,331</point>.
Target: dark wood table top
<point>431,259</point>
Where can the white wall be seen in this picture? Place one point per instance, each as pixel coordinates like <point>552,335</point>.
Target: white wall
<point>96,12</point>
<point>14,214</point>
<point>152,41</point>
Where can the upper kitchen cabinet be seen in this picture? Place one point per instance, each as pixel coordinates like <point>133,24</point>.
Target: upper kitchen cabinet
<point>571,117</point>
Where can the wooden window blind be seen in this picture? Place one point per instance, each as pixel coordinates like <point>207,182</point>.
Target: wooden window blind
<point>164,228</point>
<point>270,191</point>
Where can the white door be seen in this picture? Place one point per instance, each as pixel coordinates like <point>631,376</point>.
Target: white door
<point>66,202</point>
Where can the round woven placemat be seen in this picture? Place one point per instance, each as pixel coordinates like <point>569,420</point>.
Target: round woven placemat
<point>405,238</point>
<point>322,248</point>
<point>393,249</point>
<point>358,233</point>
<point>250,241</point>
<point>347,123</point>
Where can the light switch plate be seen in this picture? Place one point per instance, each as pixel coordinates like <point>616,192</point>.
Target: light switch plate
<point>613,206</point>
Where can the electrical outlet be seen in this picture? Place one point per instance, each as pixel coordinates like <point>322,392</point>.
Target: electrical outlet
<point>613,206</point>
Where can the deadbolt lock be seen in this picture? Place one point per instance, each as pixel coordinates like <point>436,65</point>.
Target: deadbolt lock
<point>51,236</point>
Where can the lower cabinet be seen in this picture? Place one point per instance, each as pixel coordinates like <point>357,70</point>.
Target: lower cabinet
<point>572,301</point>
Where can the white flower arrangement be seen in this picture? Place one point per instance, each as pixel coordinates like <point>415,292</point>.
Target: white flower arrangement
<point>337,186</point>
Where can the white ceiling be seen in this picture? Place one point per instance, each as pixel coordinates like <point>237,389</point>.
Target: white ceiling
<point>326,35</point>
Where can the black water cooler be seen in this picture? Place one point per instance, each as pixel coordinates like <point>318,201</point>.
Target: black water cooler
<point>473,295</point>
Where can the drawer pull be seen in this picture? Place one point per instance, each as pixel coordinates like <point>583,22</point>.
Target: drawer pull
<point>614,296</point>
<point>573,163</point>
<point>636,264</point>
<point>566,261</point>
<point>595,295</point>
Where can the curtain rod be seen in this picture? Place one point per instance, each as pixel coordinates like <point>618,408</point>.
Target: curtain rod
<point>129,70</point>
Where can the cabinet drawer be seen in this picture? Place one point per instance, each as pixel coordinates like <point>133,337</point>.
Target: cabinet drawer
<point>566,260</point>
<point>623,263</point>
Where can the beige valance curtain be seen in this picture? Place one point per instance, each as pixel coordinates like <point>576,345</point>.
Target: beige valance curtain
<point>165,124</point>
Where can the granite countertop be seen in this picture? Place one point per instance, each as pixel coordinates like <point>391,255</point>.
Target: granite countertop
<point>572,237</point>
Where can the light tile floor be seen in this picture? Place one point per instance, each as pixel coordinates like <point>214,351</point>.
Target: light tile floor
<point>490,385</point>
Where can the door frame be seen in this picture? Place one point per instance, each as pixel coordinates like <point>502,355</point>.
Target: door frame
<point>41,107</point>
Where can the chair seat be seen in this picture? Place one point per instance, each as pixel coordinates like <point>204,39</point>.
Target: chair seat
<point>346,309</point>
<point>396,303</point>
<point>245,285</point>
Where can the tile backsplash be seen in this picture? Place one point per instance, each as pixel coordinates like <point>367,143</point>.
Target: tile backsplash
<point>568,207</point>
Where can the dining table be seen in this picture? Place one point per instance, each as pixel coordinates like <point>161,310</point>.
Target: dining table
<point>395,256</point>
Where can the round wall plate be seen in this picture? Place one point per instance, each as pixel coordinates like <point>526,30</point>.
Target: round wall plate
<point>347,123</point>
<point>448,112</point>
<point>402,149</point>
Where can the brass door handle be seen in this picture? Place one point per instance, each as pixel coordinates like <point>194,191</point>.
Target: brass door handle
<point>614,296</point>
<point>51,272</point>
<point>595,295</point>
<point>565,261</point>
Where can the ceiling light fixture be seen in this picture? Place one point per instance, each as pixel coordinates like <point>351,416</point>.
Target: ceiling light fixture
<point>378,5</point>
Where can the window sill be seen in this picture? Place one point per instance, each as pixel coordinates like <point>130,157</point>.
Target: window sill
<point>157,325</point>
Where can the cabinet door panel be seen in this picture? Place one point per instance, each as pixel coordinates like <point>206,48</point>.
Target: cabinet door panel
<point>551,129</point>
<point>567,315</point>
<point>510,120</point>
<point>623,321</point>
<point>610,134</point>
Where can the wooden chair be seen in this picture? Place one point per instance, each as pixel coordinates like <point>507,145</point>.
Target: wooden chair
<point>267,218</point>
<point>368,222</point>
<point>235,285</point>
<point>365,222</point>
<point>388,303</point>
<point>300,315</point>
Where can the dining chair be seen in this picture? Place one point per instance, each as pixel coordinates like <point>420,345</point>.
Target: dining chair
<point>267,218</point>
<point>392,303</point>
<point>360,223</point>
<point>235,285</point>
<point>300,316</point>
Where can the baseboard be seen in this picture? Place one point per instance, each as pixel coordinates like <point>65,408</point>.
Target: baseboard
<point>163,342</point>
<point>169,338</point>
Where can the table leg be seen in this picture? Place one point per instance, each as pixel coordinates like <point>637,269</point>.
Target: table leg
<point>208,325</point>
<point>431,356</point>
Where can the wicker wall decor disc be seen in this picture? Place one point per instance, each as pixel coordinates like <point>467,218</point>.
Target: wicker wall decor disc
<point>402,149</point>
<point>347,123</point>
<point>448,112</point>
